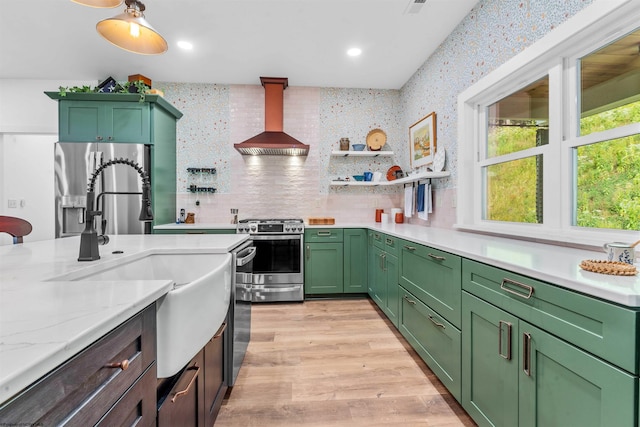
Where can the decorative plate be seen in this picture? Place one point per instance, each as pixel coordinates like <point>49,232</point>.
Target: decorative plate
<point>438,161</point>
<point>376,139</point>
<point>391,173</point>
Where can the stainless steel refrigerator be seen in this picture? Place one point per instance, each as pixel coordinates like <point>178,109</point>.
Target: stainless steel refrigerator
<point>74,165</point>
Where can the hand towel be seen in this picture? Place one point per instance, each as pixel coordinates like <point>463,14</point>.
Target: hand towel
<point>408,201</point>
<point>424,201</point>
<point>420,198</point>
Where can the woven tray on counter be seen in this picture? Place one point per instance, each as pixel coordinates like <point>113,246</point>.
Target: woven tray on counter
<point>616,268</point>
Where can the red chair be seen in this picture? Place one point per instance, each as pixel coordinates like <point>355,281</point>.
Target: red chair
<point>17,227</point>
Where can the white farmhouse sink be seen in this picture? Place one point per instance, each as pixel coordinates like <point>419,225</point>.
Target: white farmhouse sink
<point>189,314</point>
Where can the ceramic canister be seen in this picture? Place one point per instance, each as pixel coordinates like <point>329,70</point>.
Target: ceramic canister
<point>622,252</point>
<point>379,215</point>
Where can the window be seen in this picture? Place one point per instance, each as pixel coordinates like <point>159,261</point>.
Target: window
<point>607,171</point>
<point>550,141</point>
<point>517,123</point>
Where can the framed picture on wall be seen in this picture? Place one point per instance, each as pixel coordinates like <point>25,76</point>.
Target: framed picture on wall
<point>422,141</point>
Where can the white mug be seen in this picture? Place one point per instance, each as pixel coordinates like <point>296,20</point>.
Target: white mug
<point>377,176</point>
<point>622,252</point>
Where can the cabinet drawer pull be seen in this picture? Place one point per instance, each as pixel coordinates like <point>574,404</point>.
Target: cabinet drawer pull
<point>410,248</point>
<point>436,257</point>
<point>384,262</point>
<point>508,355</point>
<point>220,331</point>
<point>195,368</point>
<point>323,233</point>
<point>389,241</point>
<point>376,236</point>
<point>408,300</point>
<point>438,324</point>
<point>528,288</point>
<point>526,353</point>
<point>124,365</point>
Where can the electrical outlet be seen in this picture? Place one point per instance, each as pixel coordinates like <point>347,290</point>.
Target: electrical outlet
<point>454,202</point>
<point>13,203</point>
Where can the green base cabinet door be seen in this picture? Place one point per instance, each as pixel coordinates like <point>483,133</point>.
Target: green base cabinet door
<point>390,276</point>
<point>355,261</point>
<point>518,375</point>
<point>377,286</point>
<point>561,385</point>
<point>436,340</point>
<point>489,363</point>
<point>323,268</point>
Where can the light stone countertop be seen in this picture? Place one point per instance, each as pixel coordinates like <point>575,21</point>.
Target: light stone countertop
<point>557,265</point>
<point>43,323</point>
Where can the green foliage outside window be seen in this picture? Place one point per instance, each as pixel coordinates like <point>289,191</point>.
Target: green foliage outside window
<point>608,173</point>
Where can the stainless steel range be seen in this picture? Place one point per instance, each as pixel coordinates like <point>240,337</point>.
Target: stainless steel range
<point>278,266</point>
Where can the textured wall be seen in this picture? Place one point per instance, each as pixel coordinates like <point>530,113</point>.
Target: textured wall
<point>217,116</point>
<point>491,34</point>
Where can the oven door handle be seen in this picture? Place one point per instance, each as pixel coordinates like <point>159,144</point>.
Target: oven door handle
<point>243,259</point>
<point>267,288</point>
<point>277,237</point>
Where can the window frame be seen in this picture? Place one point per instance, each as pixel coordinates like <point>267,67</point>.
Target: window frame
<point>555,55</point>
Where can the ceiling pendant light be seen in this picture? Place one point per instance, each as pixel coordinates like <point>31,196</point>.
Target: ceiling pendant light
<point>130,31</point>
<point>99,3</point>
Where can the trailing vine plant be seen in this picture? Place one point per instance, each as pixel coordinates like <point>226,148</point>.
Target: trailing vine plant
<point>120,88</point>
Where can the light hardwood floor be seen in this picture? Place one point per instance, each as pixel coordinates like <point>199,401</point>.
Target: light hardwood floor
<point>334,363</point>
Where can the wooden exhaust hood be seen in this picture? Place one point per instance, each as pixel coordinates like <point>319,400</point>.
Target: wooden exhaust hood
<point>273,141</point>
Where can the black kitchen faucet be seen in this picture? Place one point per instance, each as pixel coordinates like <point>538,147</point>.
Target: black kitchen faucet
<point>89,239</point>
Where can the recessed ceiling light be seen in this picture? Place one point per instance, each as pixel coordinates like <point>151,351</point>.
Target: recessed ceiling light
<point>185,45</point>
<point>354,51</point>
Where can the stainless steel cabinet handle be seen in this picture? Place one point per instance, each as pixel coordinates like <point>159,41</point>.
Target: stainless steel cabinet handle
<point>526,353</point>
<point>528,288</point>
<point>408,300</point>
<point>384,262</point>
<point>438,324</point>
<point>307,252</point>
<point>410,248</point>
<point>389,241</point>
<point>377,236</point>
<point>98,138</point>
<point>508,355</point>
<point>323,233</point>
<point>436,257</point>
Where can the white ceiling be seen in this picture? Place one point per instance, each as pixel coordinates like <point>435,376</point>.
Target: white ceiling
<point>236,41</point>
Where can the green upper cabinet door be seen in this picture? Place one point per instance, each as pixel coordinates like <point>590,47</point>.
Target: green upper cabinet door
<point>323,268</point>
<point>91,121</point>
<point>355,260</point>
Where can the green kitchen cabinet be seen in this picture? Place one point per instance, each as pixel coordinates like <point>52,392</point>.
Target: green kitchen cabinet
<point>323,261</point>
<point>516,374</point>
<point>335,261</point>
<point>383,283</point>
<point>355,260</point>
<point>434,277</point>
<point>437,341</point>
<point>99,121</point>
<point>122,118</point>
<point>606,330</point>
<point>323,268</point>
